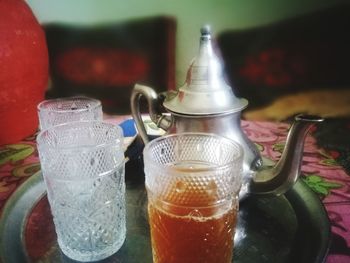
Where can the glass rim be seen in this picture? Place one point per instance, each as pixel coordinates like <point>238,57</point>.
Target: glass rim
<point>41,106</point>
<point>167,167</point>
<point>118,140</point>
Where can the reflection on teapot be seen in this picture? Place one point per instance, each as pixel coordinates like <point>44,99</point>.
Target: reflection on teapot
<point>205,103</point>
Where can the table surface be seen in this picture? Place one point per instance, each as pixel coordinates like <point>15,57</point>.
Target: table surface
<point>319,169</point>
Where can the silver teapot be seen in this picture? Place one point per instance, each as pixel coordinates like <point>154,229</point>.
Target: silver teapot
<point>206,103</point>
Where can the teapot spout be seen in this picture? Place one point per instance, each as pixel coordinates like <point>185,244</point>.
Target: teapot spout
<point>280,178</point>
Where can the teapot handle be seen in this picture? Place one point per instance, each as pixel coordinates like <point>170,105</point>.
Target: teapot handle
<point>163,122</point>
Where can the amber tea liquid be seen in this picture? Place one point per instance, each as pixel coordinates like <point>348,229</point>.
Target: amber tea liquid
<point>193,233</point>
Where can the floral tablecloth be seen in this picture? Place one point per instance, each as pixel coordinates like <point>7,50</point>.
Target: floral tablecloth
<point>319,170</point>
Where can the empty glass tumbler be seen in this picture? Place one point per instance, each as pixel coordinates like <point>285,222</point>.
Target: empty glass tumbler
<point>56,111</point>
<point>83,168</point>
<point>192,182</point>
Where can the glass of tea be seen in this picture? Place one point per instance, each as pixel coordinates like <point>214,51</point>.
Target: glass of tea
<point>192,182</point>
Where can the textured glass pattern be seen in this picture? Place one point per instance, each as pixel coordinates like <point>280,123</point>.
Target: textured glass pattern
<point>83,167</point>
<point>209,166</point>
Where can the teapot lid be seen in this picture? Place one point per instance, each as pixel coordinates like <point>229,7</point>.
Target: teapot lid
<point>205,91</point>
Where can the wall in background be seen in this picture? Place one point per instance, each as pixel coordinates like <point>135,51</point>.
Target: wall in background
<point>190,15</point>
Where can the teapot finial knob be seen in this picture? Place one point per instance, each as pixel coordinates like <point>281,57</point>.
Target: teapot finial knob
<point>206,31</point>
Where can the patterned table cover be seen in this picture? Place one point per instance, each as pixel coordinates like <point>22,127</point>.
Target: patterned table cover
<point>319,170</point>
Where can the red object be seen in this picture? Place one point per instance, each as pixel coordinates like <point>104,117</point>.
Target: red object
<point>23,70</point>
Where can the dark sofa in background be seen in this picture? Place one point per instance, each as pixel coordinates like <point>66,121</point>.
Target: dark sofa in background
<point>105,61</point>
<point>307,53</point>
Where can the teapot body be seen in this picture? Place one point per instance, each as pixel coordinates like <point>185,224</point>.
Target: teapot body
<point>256,178</point>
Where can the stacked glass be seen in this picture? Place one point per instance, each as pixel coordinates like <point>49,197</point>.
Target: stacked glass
<point>82,162</point>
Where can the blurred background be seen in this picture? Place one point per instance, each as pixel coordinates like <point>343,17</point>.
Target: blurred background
<point>190,16</point>
<point>284,56</point>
